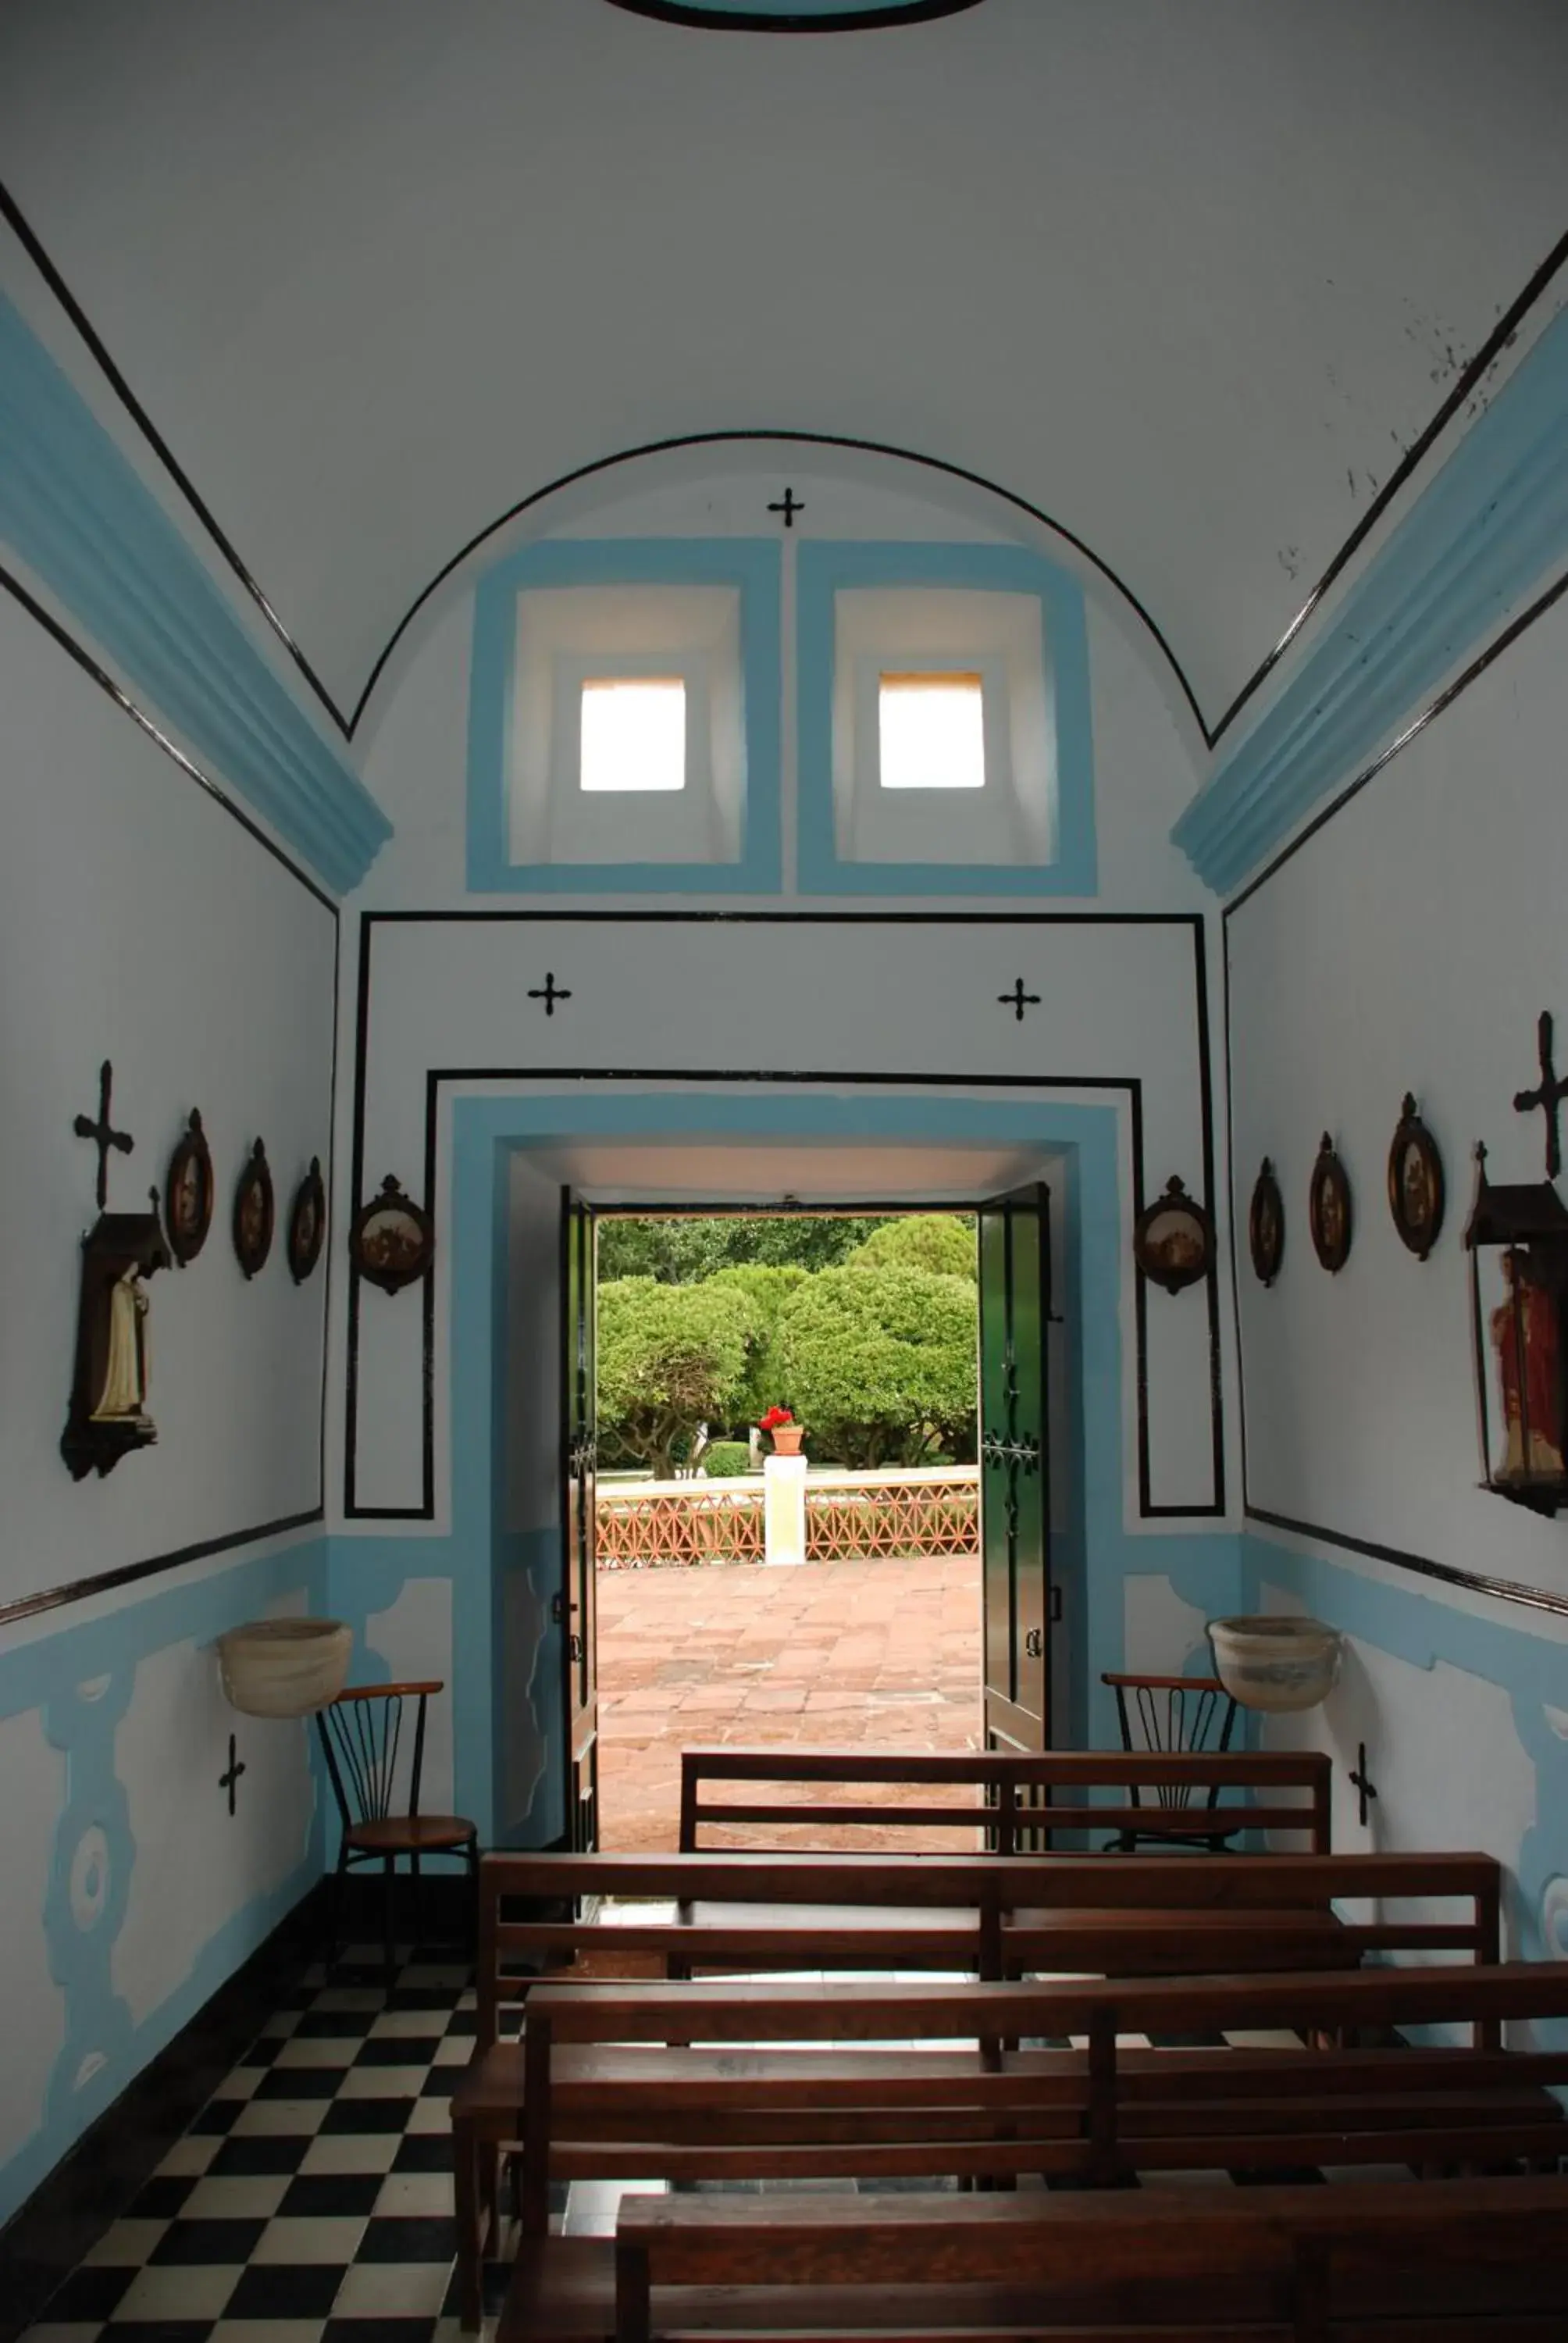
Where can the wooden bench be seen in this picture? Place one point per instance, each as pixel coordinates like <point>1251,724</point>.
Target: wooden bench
<point>998,1795</point>
<point>616,2087</point>
<point>992,1916</point>
<point>1449,2262</point>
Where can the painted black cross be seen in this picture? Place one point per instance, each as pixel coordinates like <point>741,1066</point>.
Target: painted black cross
<point>103,1132</point>
<point>550,992</point>
<point>1548,1094</point>
<point>236,1768</point>
<point>1017,999</point>
<point>788,506</point>
<point>1359,1780</point>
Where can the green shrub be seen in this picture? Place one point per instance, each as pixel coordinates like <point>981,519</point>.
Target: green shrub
<point>726,1460</point>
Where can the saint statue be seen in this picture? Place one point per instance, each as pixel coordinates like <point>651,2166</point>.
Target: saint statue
<point>1526,1320</point>
<point>126,1362</point>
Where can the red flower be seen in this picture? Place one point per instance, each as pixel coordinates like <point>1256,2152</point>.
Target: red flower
<point>773,1419</point>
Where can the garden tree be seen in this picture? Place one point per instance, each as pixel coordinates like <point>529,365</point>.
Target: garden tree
<point>881,1363</point>
<point>767,1287</point>
<point>945,1242</point>
<point>680,1251</point>
<point>670,1358</point>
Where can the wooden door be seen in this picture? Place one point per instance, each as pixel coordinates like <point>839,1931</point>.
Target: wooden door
<point>1015,1491</point>
<point>575,1604</point>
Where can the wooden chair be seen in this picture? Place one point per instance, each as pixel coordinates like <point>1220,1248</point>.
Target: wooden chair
<point>361,1739</point>
<point>1176,1715</point>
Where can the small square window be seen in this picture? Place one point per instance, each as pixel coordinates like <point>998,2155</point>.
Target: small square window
<point>931,729</point>
<point>633,733</point>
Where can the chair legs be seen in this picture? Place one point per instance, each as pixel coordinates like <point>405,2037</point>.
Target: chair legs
<point>389,1891</point>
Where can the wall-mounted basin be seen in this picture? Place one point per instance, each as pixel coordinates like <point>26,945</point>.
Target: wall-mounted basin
<point>1276,1663</point>
<point>285,1667</point>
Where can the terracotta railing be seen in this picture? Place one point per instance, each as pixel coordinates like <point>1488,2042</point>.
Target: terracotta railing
<point>848,1517</point>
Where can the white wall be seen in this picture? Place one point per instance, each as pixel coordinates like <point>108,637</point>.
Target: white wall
<point>416,733</point>
<point>140,922</point>
<point>1410,944</point>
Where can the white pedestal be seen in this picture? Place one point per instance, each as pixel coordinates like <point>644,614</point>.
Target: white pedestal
<point>784,1508</point>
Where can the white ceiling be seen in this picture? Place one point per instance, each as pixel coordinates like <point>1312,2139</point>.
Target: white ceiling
<point>768,1172</point>
<point>1186,277</point>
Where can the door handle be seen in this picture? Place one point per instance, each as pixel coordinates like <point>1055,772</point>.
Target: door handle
<point>1034,1645</point>
<point>576,1648</point>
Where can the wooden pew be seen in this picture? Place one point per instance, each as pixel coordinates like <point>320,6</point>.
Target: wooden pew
<point>1000,1796</point>
<point>679,2082</point>
<point>990,1916</point>
<point>1442,2263</point>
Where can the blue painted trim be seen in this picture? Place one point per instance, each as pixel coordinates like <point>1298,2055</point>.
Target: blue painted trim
<point>366,1573</point>
<point>80,517</point>
<point>750,564</point>
<point>81,1680</point>
<point>1491,524</point>
<point>1423,1629</point>
<point>823,570</point>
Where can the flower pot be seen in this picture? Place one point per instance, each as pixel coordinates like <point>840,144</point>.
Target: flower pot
<point>285,1667</point>
<point>787,1439</point>
<point>1276,1665</point>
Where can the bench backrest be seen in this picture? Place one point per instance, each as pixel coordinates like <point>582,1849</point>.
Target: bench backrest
<point>1155,2257</point>
<point>749,2012</point>
<point>801,1910</point>
<point>1004,1797</point>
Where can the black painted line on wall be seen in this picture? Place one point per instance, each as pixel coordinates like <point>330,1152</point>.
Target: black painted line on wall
<point>1507,327</point>
<point>105,682</point>
<point>436,1077</point>
<point>10,211</point>
<point>1446,698</point>
<point>789,20</point>
<point>1496,342</point>
<point>1500,1589</point>
<point>356,1198</point>
<point>81,1588</point>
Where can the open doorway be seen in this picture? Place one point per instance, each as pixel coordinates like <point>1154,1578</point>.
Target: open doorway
<point>888,1591</point>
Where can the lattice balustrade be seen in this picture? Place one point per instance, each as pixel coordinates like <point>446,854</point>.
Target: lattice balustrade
<point>848,1518</point>
<point>850,1522</point>
<point>695,1522</point>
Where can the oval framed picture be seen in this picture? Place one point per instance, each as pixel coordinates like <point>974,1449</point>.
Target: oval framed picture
<point>1173,1240</point>
<point>1266,1224</point>
<point>1415,1187</point>
<point>306,1223</point>
<point>1329,1208</point>
<point>254,1211</point>
<point>188,1192</point>
<point>393,1241</point>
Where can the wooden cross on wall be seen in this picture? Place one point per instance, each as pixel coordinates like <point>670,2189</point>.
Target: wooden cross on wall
<point>103,1132</point>
<point>1548,1094</point>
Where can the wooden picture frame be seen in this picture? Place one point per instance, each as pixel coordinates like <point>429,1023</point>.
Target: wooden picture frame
<point>392,1243</point>
<point>1266,1224</point>
<point>1329,1215</point>
<point>188,1192</point>
<point>1415,1182</point>
<point>1173,1240</point>
<point>306,1223</point>
<point>254,1211</point>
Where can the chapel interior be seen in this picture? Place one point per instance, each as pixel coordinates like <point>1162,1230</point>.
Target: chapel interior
<point>760,604</point>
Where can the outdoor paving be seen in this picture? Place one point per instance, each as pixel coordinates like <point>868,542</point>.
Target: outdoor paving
<point>877,1654</point>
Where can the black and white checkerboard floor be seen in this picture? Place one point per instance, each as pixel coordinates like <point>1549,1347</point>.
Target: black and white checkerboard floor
<point>311,2200</point>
